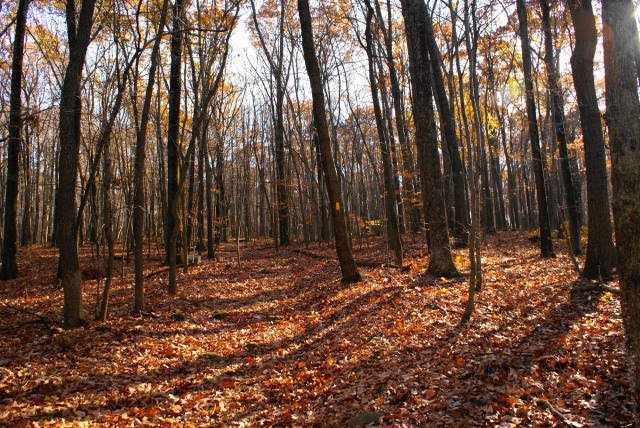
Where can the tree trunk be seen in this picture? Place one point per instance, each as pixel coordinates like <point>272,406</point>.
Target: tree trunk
<point>441,264</point>
<point>173,144</point>
<point>221,204</point>
<point>391,208</point>
<point>211,242</point>
<point>461,208</point>
<point>9,268</point>
<point>600,252</point>
<point>139,167</point>
<point>107,217</point>
<point>347,264</point>
<point>25,233</point>
<point>409,180</point>
<point>557,109</point>
<point>546,245</point>
<point>623,109</point>
<point>69,134</point>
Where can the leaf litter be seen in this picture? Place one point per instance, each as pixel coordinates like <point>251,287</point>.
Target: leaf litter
<point>280,340</point>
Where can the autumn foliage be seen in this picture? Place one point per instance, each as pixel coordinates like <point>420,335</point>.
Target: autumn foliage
<point>279,340</point>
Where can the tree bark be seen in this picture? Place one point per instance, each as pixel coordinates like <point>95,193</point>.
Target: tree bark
<point>623,109</point>
<point>79,35</point>
<point>546,244</point>
<point>599,261</point>
<point>347,264</point>
<point>391,207</point>
<point>559,125</point>
<point>441,264</point>
<point>173,144</point>
<point>9,268</point>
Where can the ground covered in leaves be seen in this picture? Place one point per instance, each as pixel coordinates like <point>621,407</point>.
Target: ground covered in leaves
<point>278,340</point>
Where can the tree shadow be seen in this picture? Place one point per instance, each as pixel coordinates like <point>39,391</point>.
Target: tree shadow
<point>354,342</point>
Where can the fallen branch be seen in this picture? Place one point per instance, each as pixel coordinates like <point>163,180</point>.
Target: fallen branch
<point>165,269</point>
<point>597,287</point>
<point>17,310</point>
<point>14,328</point>
<point>40,319</point>
<point>361,263</point>
<point>555,412</point>
<point>157,272</point>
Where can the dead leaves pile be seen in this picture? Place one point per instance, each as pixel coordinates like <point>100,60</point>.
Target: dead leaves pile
<point>280,341</point>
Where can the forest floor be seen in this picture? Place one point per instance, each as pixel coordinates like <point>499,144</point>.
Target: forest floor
<point>279,340</point>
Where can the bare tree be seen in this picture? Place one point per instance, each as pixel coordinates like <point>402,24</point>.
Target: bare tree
<point>9,268</point>
<point>347,263</point>
<point>79,35</point>
<point>600,261</point>
<point>441,264</point>
<point>623,110</point>
<point>546,244</point>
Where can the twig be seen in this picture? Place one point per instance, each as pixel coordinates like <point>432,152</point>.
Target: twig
<point>361,263</point>
<point>157,272</point>
<point>557,413</point>
<point>18,326</point>
<point>597,287</point>
<point>17,310</point>
<point>572,253</point>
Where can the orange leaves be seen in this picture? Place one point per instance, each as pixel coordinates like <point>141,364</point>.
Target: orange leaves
<point>281,341</point>
<point>403,328</point>
<point>176,409</point>
<point>227,383</point>
<point>278,382</point>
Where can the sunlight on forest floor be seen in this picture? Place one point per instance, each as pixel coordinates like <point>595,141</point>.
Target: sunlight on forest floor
<point>279,340</point>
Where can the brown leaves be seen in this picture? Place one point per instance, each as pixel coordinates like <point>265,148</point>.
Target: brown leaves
<point>281,341</point>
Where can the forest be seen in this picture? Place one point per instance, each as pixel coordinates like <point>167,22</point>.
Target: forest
<point>319,213</point>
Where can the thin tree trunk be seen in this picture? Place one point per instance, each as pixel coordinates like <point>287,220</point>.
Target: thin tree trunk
<point>557,109</point>
<point>393,226</point>
<point>347,264</point>
<point>409,180</point>
<point>546,245</point>
<point>9,268</point>
<point>461,208</point>
<point>79,35</point>
<point>139,167</point>
<point>107,218</point>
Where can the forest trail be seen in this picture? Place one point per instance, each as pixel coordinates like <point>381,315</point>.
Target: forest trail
<point>279,340</point>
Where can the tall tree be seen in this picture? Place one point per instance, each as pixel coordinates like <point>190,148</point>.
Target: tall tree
<point>409,180</point>
<point>79,35</point>
<point>623,109</point>
<point>173,144</point>
<point>599,261</point>
<point>559,125</point>
<point>276,66</point>
<point>391,207</point>
<point>347,263</point>
<point>461,209</point>
<point>9,268</point>
<point>415,15</point>
<point>546,244</point>
<point>139,165</point>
